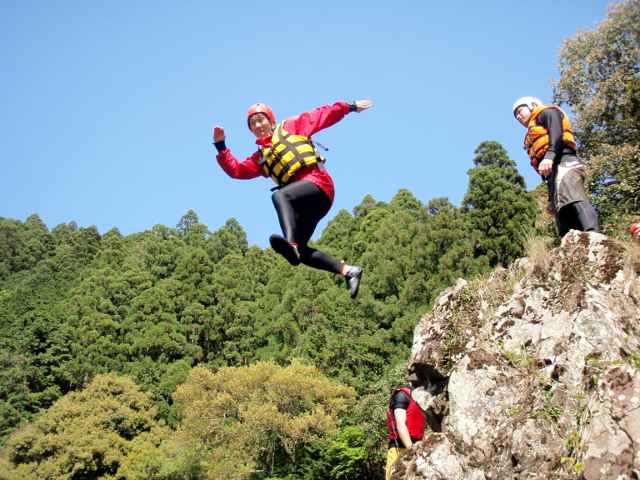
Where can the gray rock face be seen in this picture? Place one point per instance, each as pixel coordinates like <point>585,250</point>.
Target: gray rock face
<point>542,364</point>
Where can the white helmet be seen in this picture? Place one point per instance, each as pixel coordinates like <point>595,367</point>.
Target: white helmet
<point>526,101</point>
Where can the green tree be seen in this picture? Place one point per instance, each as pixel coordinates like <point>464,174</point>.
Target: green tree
<point>23,245</point>
<point>342,457</point>
<point>492,154</point>
<point>86,434</point>
<point>337,237</point>
<point>500,213</point>
<point>161,250</point>
<point>35,337</point>
<point>446,247</point>
<point>231,238</point>
<point>229,333</point>
<point>250,418</point>
<point>440,204</point>
<point>187,222</point>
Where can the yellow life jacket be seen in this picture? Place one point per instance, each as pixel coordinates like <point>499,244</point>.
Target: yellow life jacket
<point>287,154</point>
<point>536,140</point>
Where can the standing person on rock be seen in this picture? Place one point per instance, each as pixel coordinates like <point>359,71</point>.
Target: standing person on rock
<point>551,146</point>
<point>406,421</point>
<point>304,192</point>
<point>635,231</point>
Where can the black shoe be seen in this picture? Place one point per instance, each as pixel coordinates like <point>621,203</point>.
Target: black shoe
<point>353,276</point>
<point>284,248</point>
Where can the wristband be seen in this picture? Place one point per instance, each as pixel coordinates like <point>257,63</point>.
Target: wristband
<point>220,146</point>
<point>353,107</point>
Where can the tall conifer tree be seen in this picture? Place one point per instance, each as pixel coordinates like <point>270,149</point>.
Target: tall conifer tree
<point>500,213</point>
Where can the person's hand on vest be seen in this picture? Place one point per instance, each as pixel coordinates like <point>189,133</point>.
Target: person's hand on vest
<point>545,167</point>
<point>363,105</point>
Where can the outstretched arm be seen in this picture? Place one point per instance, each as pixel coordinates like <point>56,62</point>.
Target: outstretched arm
<point>310,122</point>
<point>248,168</point>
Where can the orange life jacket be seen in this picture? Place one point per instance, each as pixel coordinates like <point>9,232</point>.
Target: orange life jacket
<point>536,140</point>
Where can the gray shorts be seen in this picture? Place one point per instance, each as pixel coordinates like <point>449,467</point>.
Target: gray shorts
<point>566,182</point>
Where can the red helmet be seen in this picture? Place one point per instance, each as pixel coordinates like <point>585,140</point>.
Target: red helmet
<point>261,108</point>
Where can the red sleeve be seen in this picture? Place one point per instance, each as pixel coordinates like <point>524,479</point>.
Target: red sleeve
<point>248,168</point>
<point>308,123</point>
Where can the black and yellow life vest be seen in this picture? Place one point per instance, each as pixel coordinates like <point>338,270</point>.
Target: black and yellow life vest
<point>287,154</point>
<point>536,140</point>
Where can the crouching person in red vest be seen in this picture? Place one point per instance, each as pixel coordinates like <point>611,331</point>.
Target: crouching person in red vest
<point>405,421</point>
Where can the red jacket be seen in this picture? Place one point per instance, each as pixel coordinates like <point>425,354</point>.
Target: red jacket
<point>415,418</point>
<point>306,124</point>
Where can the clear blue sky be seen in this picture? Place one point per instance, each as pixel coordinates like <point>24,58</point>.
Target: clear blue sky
<point>107,107</point>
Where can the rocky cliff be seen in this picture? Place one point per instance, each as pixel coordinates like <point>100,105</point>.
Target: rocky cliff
<point>535,372</point>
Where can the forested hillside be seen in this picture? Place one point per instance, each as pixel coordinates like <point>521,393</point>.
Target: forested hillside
<point>153,305</point>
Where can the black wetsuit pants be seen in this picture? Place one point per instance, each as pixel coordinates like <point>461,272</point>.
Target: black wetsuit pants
<point>577,216</point>
<point>300,206</point>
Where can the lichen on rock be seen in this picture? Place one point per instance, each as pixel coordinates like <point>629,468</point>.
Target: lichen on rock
<point>540,366</point>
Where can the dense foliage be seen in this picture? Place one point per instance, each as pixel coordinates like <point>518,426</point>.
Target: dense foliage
<point>86,434</point>
<point>243,418</point>
<point>76,304</point>
<point>501,215</point>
